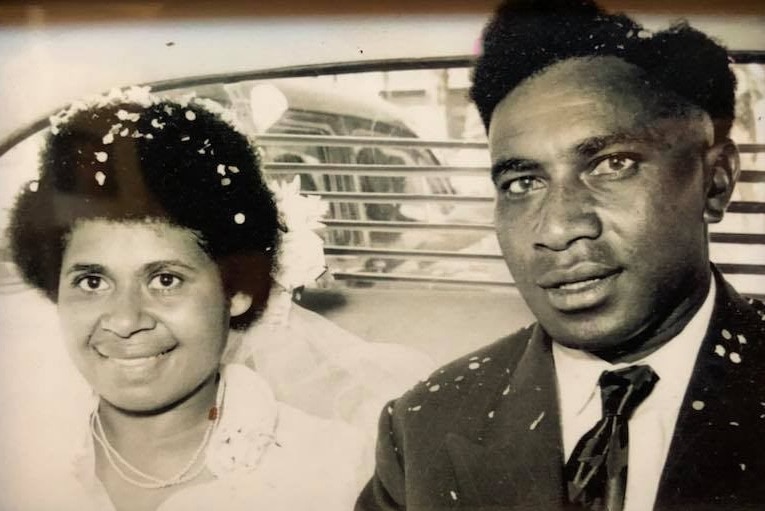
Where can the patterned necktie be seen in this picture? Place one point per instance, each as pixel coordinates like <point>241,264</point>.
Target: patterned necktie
<point>596,472</point>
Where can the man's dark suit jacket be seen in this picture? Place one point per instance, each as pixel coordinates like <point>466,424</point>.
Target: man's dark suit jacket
<point>483,432</point>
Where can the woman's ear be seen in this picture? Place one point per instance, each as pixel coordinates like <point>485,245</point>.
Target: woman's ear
<point>240,303</point>
<point>722,167</point>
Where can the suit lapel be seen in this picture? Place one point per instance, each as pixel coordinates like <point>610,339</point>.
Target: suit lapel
<point>512,456</point>
<point>716,455</point>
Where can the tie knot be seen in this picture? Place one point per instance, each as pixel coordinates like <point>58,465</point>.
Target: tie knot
<point>622,391</point>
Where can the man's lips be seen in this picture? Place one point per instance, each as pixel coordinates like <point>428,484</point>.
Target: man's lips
<point>579,287</point>
<point>578,276</point>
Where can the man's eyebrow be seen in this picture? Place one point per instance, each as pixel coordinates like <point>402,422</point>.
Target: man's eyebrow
<point>511,165</point>
<point>593,145</point>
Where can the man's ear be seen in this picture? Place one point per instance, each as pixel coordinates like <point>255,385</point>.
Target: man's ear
<point>240,303</point>
<point>722,167</point>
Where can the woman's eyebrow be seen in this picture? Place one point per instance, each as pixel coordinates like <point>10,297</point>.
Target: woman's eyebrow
<point>85,268</point>
<point>156,266</point>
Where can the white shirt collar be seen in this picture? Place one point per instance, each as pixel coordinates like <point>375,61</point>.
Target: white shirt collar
<point>578,371</point>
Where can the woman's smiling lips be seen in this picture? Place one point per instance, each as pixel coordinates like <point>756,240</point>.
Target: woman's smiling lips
<point>128,354</point>
<point>581,286</point>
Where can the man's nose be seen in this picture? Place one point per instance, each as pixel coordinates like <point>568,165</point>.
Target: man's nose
<point>126,314</point>
<point>568,214</point>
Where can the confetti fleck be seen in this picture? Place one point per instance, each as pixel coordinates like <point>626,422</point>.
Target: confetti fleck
<point>435,388</point>
<point>487,359</point>
<point>185,138</point>
<point>149,136</point>
<point>536,422</point>
<point>416,408</point>
<point>124,132</point>
<point>190,115</point>
<point>225,181</point>
<point>726,334</point>
<point>734,423</point>
<point>201,151</point>
<point>459,378</point>
<point>742,466</point>
<point>698,405</point>
<point>100,178</point>
<point>453,494</point>
<point>34,186</point>
<point>122,115</point>
<point>221,169</point>
<point>233,169</point>
<point>108,138</point>
<point>644,34</point>
<point>390,410</point>
<point>473,358</point>
<point>156,124</point>
<point>101,156</point>
<point>741,339</point>
<point>473,366</point>
<point>506,391</point>
<point>720,350</point>
<point>491,414</point>
<point>735,358</point>
<point>239,218</point>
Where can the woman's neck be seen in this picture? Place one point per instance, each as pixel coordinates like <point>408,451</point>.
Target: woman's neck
<point>160,443</point>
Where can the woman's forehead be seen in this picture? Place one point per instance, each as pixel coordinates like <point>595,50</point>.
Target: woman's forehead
<point>133,241</point>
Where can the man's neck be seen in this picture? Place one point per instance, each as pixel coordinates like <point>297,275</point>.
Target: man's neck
<point>656,336</point>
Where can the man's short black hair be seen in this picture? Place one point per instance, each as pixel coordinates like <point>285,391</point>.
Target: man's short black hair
<point>158,161</point>
<point>526,36</point>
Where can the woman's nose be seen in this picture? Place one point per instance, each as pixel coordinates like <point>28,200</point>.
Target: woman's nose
<point>126,314</point>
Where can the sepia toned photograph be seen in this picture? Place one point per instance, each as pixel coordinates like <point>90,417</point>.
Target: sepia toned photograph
<point>503,255</point>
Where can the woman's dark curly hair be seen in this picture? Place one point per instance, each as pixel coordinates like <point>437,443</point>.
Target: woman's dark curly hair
<point>526,36</point>
<point>124,160</point>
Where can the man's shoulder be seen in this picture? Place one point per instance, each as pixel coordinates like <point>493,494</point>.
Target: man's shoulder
<point>459,380</point>
<point>742,314</point>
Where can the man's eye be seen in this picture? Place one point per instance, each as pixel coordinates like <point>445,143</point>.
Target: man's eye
<point>92,283</point>
<point>165,282</point>
<point>616,164</point>
<point>522,185</point>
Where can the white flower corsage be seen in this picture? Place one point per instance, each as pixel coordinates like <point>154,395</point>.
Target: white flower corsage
<point>300,260</point>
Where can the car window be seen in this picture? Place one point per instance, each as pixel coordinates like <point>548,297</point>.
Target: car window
<point>419,214</point>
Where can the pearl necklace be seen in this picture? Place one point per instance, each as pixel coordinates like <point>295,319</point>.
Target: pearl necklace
<point>153,483</point>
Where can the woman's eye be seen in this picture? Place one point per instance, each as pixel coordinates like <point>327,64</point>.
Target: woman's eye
<point>616,164</point>
<point>165,282</point>
<point>92,283</point>
<point>522,185</point>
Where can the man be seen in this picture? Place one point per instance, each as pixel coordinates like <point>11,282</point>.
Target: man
<point>641,385</point>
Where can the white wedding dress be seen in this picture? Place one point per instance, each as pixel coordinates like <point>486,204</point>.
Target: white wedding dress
<point>328,385</point>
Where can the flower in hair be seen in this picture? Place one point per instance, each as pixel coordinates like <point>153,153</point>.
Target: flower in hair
<point>301,258</point>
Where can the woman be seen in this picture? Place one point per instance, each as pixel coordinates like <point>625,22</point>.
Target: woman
<point>152,229</point>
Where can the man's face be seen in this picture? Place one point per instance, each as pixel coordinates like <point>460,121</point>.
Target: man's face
<point>600,202</point>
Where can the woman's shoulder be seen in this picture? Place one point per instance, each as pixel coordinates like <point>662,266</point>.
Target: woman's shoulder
<point>273,454</point>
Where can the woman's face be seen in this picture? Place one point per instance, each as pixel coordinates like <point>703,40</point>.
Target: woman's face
<point>143,311</point>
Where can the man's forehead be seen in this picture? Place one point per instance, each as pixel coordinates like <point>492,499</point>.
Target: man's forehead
<point>579,92</point>
<point>608,75</point>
